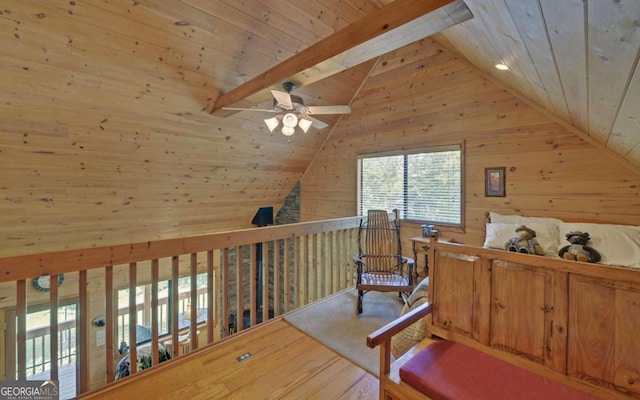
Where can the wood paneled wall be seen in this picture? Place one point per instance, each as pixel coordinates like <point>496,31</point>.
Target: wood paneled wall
<point>423,95</point>
<point>104,137</point>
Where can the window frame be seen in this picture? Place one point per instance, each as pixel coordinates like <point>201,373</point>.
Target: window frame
<point>431,149</point>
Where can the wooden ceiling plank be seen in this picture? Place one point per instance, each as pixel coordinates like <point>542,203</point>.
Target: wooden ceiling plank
<point>497,22</point>
<point>625,135</point>
<point>613,42</point>
<point>388,28</point>
<point>344,12</point>
<point>363,7</point>
<point>236,17</point>
<point>566,29</point>
<point>529,21</point>
<point>180,13</point>
<point>295,17</point>
<point>470,42</point>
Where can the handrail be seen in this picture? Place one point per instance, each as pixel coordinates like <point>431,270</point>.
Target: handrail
<point>298,264</point>
<point>29,265</point>
<point>394,327</point>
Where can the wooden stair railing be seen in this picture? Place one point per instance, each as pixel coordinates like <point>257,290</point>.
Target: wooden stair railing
<point>300,263</point>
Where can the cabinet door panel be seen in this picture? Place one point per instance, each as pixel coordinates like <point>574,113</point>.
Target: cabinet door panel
<point>603,333</point>
<point>521,300</point>
<point>453,286</point>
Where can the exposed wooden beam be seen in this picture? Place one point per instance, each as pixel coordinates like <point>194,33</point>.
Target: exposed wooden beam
<point>390,27</point>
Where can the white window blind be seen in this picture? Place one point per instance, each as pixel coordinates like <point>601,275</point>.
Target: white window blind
<point>424,186</point>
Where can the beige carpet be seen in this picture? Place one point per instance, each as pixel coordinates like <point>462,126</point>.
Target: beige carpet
<point>333,322</point>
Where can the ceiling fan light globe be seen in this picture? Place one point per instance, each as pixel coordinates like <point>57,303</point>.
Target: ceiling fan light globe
<point>305,124</point>
<point>290,120</point>
<point>272,123</point>
<point>288,131</point>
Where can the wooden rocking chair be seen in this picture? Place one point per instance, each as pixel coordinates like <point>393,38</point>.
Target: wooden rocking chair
<point>380,264</point>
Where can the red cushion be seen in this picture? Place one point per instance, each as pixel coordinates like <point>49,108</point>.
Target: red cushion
<point>449,370</point>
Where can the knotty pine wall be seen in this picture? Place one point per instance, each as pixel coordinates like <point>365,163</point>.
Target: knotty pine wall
<point>103,134</point>
<point>423,95</point>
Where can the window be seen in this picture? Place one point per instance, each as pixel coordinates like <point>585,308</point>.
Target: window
<point>425,186</point>
<point>143,307</point>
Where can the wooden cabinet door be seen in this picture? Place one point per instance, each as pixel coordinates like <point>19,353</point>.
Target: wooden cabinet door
<point>456,281</point>
<point>604,321</point>
<point>528,313</point>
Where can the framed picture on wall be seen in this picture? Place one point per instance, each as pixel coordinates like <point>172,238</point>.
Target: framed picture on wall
<point>494,182</point>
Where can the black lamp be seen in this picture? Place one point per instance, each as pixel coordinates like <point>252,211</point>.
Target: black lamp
<point>263,217</point>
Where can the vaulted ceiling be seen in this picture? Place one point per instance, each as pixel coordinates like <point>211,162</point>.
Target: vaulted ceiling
<point>577,59</point>
<point>105,130</point>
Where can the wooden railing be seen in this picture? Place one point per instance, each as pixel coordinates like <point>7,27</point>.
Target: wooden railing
<point>297,264</point>
<point>38,340</point>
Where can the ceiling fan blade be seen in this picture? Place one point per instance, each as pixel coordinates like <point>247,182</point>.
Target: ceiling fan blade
<point>283,99</point>
<point>316,110</point>
<point>317,123</point>
<point>250,109</point>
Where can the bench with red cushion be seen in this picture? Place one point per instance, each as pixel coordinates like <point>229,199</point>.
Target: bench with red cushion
<point>450,370</point>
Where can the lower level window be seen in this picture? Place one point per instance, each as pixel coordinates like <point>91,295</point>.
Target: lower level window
<point>425,186</point>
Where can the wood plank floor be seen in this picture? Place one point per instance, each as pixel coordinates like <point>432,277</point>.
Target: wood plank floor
<point>285,363</point>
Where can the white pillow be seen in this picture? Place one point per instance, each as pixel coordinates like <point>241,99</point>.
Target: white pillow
<point>617,244</point>
<point>546,234</point>
<point>519,219</point>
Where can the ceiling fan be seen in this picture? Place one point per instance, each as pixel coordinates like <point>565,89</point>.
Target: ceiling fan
<point>290,109</point>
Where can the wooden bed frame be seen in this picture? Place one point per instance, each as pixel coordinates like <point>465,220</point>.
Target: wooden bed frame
<point>572,322</point>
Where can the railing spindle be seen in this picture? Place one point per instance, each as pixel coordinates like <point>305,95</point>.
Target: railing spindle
<point>110,328</point>
<point>82,372</point>
<point>211,290</point>
<point>174,307</point>
<point>53,325</point>
<point>320,273</point>
<point>253,278</point>
<point>266,305</point>
<point>287,274</point>
<point>133,319</point>
<point>300,270</point>
<point>277,268</point>
<point>21,311</point>
<point>155,323</point>
<point>225,290</point>
<point>195,307</point>
<point>239,290</point>
<point>309,270</point>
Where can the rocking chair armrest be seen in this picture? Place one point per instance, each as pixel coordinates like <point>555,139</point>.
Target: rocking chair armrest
<point>385,333</point>
<point>409,261</point>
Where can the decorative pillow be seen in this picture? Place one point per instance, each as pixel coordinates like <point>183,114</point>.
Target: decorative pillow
<point>413,334</point>
<point>519,219</point>
<point>617,244</point>
<point>497,234</point>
